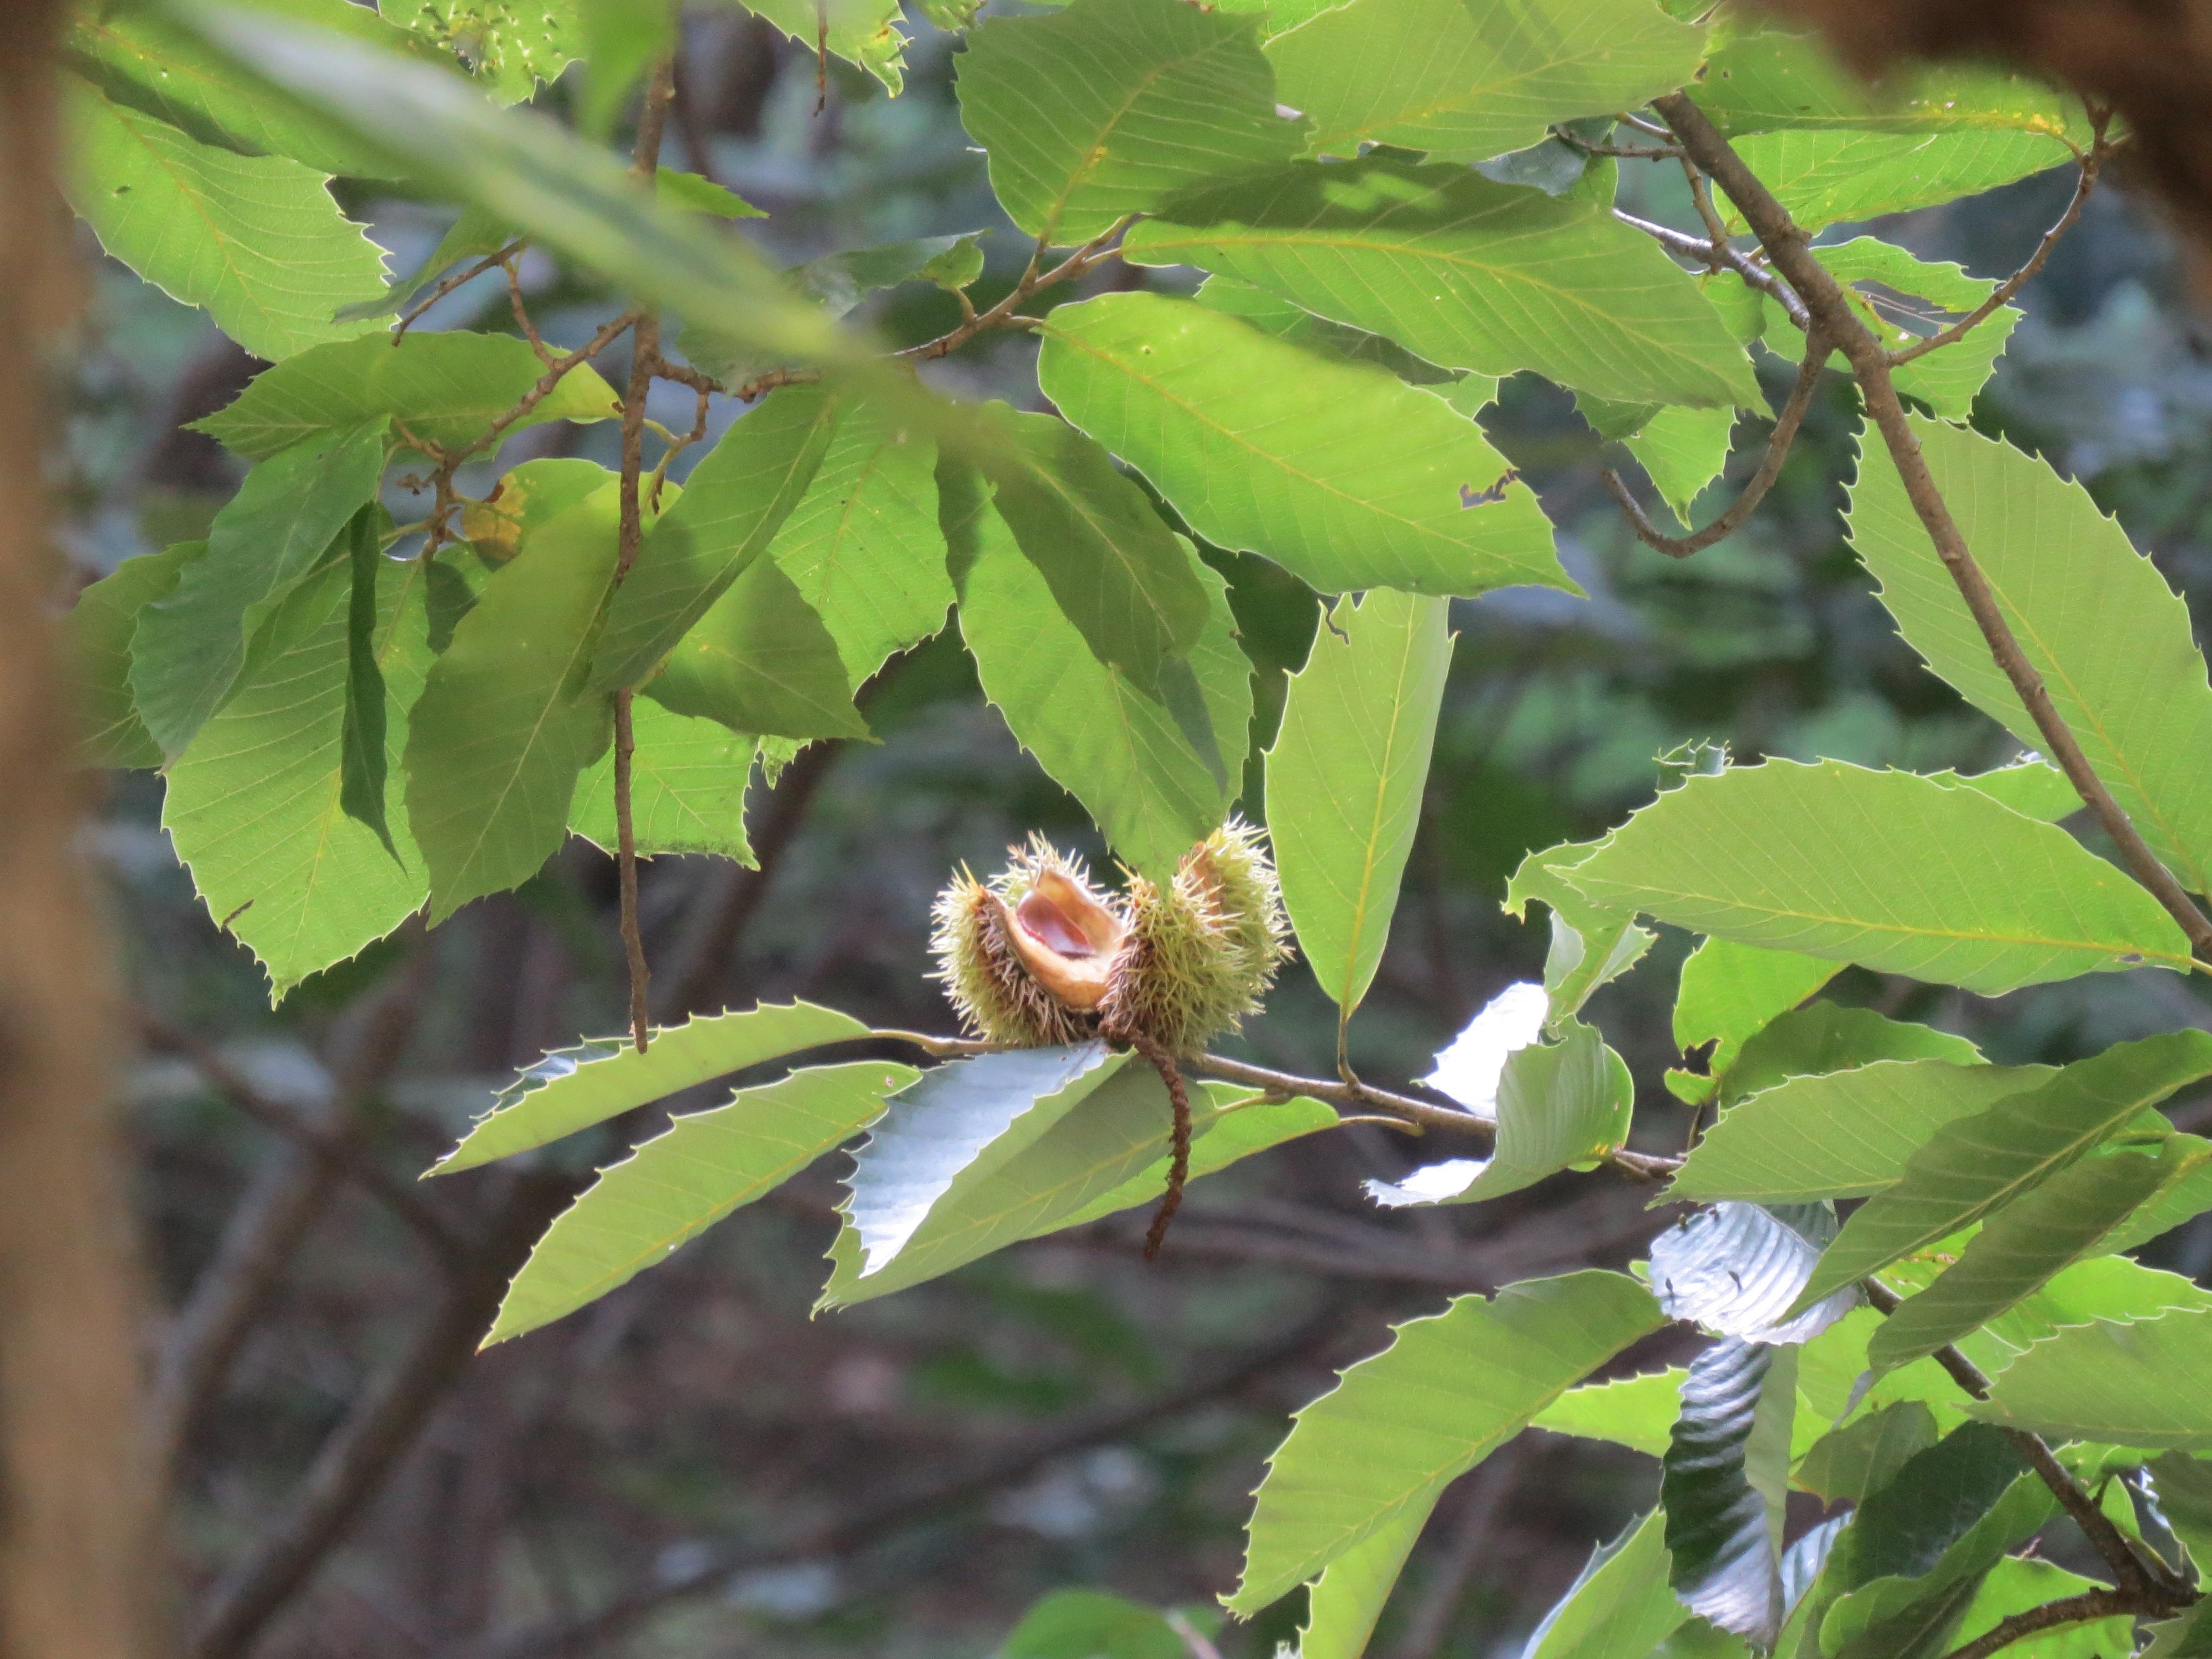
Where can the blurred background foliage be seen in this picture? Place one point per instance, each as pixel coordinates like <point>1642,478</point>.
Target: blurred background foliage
<point>731,1476</point>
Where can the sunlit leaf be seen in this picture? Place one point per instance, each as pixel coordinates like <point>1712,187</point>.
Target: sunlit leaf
<point>1557,1105</point>
<point>1116,571</point>
<point>1875,274</point>
<point>98,634</point>
<point>760,661</point>
<point>861,32</point>
<point>2098,622</point>
<point>1917,1614</point>
<point>507,723</point>
<point>1854,1461</point>
<point>842,281</point>
<point>1974,1166</point>
<point>446,389</point>
<point>2019,1584</point>
<point>1884,869</point>
<point>1828,1036</point>
<point>255,803</point>
<point>1467,273</point>
<point>1619,1603</point>
<point>141,59</point>
<point>1364,1455</point>
<point>1156,772</point>
<point>1346,775</point>
<point>1845,1135</point>
<point>1343,474</point>
<point>680,1183</point>
<point>1635,1412</point>
<point>864,544</point>
<point>1590,945</point>
<point>1082,1164</point>
<point>1081,1624</point>
<point>1108,107</point>
<point>2138,1384</point>
<point>1343,1604</point>
<point>572,1089</point>
<point>1226,1128</point>
<point>1729,991</point>
<point>190,644</point>
<point>733,506</point>
<point>688,783</point>
<point>254,238</point>
<point>1837,176</point>
<point>1762,79</point>
<point>2021,1247</point>
<point>1465,81</point>
<point>568,194</point>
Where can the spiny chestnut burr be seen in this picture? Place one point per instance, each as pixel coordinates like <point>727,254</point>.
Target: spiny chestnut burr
<point>1037,955</point>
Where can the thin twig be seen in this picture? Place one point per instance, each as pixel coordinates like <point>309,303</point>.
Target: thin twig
<point>2092,164</point>
<point>457,280</point>
<point>516,304</point>
<point>1098,248</point>
<point>2069,1610</point>
<point>1702,198</point>
<point>630,534</point>
<point>821,55</point>
<point>1769,467</point>
<point>1723,258</point>
<point>1179,1132</point>
<point>1573,140</point>
<point>1787,244</point>
<point>703,390</point>
<point>439,526</point>
<point>2095,1525</point>
<point>645,352</point>
<point>762,384</point>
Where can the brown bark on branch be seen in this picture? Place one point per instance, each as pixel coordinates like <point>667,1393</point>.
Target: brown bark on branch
<point>2153,1592</point>
<point>2071,1610</point>
<point>645,351</point>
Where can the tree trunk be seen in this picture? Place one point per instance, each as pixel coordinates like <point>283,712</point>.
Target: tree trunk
<point>74,1527</point>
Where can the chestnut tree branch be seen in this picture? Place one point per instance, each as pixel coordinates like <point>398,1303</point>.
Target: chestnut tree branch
<point>2092,163</point>
<point>1355,1097</point>
<point>1788,248</point>
<point>645,351</point>
<point>1769,466</point>
<point>1722,258</point>
<point>2154,1590</point>
<point>2069,1610</point>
